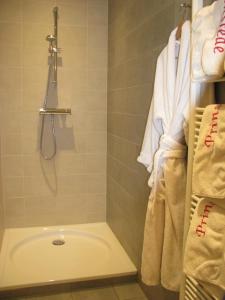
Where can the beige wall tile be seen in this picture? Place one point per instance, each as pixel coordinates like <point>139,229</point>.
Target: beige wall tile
<point>11,122</point>
<point>34,35</point>
<point>67,164</point>
<point>30,121</point>
<point>35,165</point>
<point>97,58</point>
<point>74,57</point>
<point>35,56</point>
<point>73,12</point>
<point>11,144</point>
<point>34,85</point>
<point>37,11</point>
<point>11,11</point>
<point>97,36</point>
<point>14,212</point>
<point>30,143</point>
<point>97,13</point>
<point>39,204</point>
<point>97,79</point>
<point>40,185</point>
<point>96,183</point>
<point>12,187</point>
<point>10,78</point>
<point>12,165</point>
<point>72,78</point>
<point>80,143</point>
<point>95,206</point>
<point>11,100</point>
<point>11,34</point>
<point>72,184</point>
<point>95,163</point>
<point>96,100</point>
<point>73,36</point>
<point>96,143</point>
<point>96,121</point>
<point>71,209</point>
<point>11,56</point>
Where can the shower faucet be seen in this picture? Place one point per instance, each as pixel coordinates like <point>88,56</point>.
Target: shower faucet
<point>46,111</point>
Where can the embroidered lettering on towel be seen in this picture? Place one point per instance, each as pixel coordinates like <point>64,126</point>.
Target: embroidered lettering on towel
<point>220,36</point>
<point>213,127</point>
<point>201,228</point>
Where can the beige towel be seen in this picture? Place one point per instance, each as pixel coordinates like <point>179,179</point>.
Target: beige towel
<point>209,161</point>
<point>162,250</point>
<point>204,257</point>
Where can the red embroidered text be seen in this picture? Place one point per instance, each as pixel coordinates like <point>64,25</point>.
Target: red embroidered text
<point>209,139</point>
<point>201,228</point>
<point>220,36</point>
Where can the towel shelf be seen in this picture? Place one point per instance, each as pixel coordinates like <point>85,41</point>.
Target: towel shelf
<point>209,80</point>
<point>55,111</point>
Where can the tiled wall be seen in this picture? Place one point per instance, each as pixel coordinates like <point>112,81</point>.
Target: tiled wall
<point>72,187</point>
<point>138,30</point>
<point>2,225</point>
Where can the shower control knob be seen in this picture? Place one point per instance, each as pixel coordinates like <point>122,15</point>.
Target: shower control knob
<point>56,50</point>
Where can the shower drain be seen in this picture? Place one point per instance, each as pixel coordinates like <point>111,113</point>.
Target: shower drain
<point>58,242</point>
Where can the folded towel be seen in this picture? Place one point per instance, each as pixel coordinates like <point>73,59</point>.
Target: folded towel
<point>214,49</point>
<point>208,165</point>
<point>204,27</point>
<point>204,257</point>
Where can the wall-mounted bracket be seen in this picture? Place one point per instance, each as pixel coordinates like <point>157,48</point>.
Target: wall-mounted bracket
<point>55,111</point>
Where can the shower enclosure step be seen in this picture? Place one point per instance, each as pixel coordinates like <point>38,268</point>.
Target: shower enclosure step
<point>38,256</point>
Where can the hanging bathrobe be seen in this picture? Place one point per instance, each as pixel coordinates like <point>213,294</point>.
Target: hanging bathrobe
<point>163,153</point>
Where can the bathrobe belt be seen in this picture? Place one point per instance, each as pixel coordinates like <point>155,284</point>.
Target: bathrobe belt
<point>168,148</point>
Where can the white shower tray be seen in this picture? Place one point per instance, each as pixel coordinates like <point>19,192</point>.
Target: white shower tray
<point>37,256</point>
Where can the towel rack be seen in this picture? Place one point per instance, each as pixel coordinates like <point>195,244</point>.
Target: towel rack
<point>191,289</point>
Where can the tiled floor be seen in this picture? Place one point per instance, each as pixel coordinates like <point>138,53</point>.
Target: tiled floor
<point>128,291</point>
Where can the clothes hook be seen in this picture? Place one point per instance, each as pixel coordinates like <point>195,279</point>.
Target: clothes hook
<point>185,5</point>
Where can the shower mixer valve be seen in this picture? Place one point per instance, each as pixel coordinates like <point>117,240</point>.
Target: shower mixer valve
<point>52,49</point>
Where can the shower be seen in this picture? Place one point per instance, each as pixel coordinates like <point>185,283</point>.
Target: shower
<point>46,111</point>
<point>57,223</point>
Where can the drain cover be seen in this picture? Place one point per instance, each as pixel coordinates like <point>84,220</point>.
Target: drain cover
<point>58,242</point>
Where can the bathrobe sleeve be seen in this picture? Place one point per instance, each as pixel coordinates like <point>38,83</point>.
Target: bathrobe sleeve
<point>154,127</point>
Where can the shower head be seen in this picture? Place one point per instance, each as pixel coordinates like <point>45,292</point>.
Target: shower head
<point>50,38</point>
<point>55,10</point>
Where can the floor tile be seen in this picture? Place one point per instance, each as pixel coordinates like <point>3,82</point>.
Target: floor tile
<point>63,296</point>
<point>59,296</point>
<point>106,293</point>
<point>129,291</point>
<point>138,298</point>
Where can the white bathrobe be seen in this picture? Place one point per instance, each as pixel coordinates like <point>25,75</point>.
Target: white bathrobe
<point>163,153</point>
